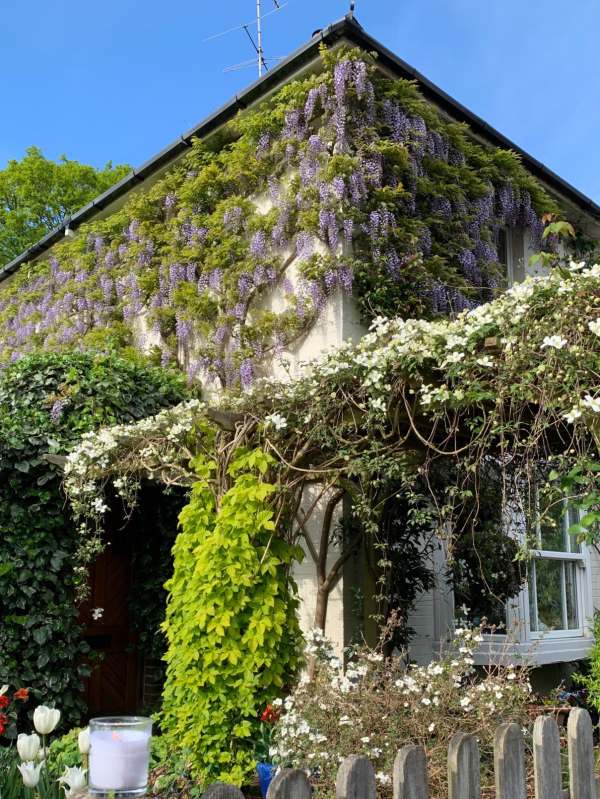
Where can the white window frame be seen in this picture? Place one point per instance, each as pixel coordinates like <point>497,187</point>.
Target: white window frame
<point>582,561</point>
<point>549,646</point>
<point>510,272</point>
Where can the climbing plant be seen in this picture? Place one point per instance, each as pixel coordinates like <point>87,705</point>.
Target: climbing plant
<point>425,409</point>
<point>231,618</point>
<point>346,180</point>
<point>46,402</point>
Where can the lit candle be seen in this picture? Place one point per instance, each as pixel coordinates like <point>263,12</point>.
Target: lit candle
<point>119,754</point>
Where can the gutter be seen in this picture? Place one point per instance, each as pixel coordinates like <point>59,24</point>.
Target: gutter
<point>346,28</point>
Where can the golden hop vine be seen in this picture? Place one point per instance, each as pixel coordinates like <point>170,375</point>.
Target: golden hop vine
<point>231,625</point>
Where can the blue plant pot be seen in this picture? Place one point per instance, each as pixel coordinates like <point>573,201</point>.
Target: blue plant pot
<point>266,772</point>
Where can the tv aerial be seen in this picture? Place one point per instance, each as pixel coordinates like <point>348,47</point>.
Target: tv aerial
<point>256,39</point>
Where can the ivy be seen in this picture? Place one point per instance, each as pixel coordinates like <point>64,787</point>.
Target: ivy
<point>46,402</point>
<point>231,619</point>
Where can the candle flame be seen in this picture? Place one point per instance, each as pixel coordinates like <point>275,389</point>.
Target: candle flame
<point>116,736</point>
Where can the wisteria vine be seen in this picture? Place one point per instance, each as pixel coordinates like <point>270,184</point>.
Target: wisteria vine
<point>346,181</point>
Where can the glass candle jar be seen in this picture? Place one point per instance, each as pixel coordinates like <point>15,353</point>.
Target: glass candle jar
<point>119,755</point>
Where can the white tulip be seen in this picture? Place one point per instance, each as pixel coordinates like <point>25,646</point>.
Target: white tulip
<point>28,746</point>
<point>74,777</point>
<point>45,719</point>
<point>3,690</point>
<point>30,773</point>
<point>43,753</point>
<point>83,741</point>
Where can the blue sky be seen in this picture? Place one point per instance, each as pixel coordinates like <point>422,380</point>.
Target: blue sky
<point>120,79</point>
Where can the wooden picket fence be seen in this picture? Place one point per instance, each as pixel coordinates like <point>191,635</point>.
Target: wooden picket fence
<point>356,776</point>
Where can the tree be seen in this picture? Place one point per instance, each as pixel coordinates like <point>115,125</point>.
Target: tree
<point>37,195</point>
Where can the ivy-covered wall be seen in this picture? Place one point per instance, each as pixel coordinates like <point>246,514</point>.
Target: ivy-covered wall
<point>47,401</point>
<point>345,181</point>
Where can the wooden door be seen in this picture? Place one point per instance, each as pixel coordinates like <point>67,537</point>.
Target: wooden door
<point>113,686</point>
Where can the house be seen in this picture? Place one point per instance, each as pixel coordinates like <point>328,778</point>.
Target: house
<point>66,287</point>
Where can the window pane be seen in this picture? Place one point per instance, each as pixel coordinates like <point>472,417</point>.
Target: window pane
<point>532,600</point>
<point>573,518</point>
<point>502,247</point>
<point>552,531</point>
<point>548,578</point>
<point>571,595</point>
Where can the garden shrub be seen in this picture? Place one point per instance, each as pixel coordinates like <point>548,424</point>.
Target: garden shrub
<point>231,620</point>
<point>378,704</point>
<point>47,401</point>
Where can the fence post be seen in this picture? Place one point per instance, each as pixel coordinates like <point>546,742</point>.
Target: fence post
<point>355,779</point>
<point>410,773</point>
<point>290,783</point>
<point>221,790</point>
<point>463,767</point>
<point>546,759</point>
<point>509,762</point>
<point>582,781</point>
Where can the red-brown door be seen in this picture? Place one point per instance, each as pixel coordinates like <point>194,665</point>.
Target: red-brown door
<point>113,686</point>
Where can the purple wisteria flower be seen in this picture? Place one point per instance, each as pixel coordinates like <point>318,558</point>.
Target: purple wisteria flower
<point>425,241</point>
<point>338,186</point>
<point>245,284</point>
<point>232,218</point>
<point>170,201</point>
<point>202,284</point>
<point>348,228</point>
<point>317,93</point>
<point>346,278</point>
<point>359,73</point>
<point>341,75</point>
<point>264,142</point>
<point>215,278</point>
<point>58,408</point>
<point>258,245</point>
<point>294,125</point>
<point>468,262</point>
<point>304,245</point>
<point>328,227</point>
<point>441,207</point>
<point>246,373</point>
<point>183,329</point>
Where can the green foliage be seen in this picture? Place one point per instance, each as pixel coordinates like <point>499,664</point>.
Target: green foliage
<point>64,752</point>
<point>231,620</point>
<point>591,681</point>
<point>47,402</point>
<point>37,195</point>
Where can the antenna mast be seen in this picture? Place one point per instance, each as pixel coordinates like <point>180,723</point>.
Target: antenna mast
<point>258,44</point>
<point>259,37</point>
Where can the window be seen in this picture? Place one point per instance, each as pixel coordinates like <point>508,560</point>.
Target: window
<point>556,575</point>
<point>548,620</point>
<point>510,249</point>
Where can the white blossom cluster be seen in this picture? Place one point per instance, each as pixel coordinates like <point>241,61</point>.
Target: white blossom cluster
<point>444,346</point>
<point>374,702</point>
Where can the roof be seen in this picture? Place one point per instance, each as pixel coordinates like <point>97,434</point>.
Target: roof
<point>345,29</point>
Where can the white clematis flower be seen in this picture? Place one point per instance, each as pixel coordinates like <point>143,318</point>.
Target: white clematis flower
<point>556,342</point>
